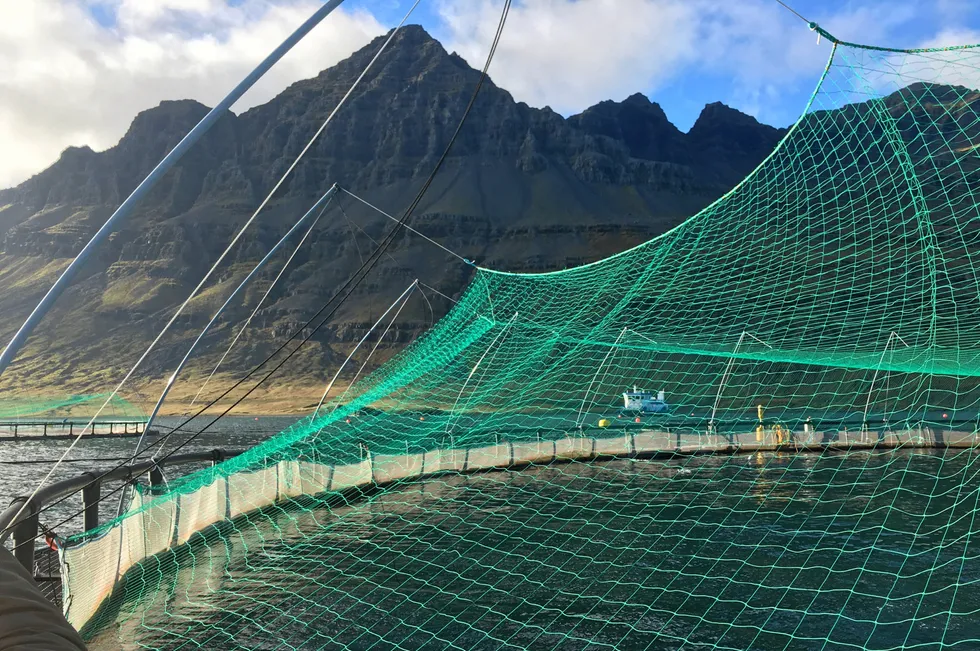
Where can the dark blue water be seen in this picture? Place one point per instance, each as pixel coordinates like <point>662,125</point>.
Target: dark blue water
<point>855,550</point>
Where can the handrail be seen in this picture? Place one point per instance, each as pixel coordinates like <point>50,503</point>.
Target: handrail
<point>66,428</point>
<point>22,521</point>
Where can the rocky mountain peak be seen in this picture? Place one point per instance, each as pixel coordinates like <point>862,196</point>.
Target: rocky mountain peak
<point>731,138</point>
<point>76,153</point>
<point>167,114</point>
<point>637,121</point>
<point>411,53</point>
<point>523,189</point>
<point>717,116</point>
<point>410,37</point>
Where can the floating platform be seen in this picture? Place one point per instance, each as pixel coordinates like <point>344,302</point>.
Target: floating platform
<point>39,430</point>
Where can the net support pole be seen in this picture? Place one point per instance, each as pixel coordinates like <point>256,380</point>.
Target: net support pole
<point>91,496</point>
<point>320,203</point>
<point>874,378</point>
<point>449,419</point>
<point>403,296</point>
<point>24,533</point>
<point>124,210</point>
<point>258,306</point>
<point>585,398</point>
<point>712,424</point>
<point>156,479</point>
<point>724,379</point>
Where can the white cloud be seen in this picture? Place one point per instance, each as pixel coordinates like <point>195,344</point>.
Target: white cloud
<point>957,67</point>
<point>953,36</point>
<point>863,73</point>
<point>570,54</point>
<point>67,80</point>
<point>770,54</point>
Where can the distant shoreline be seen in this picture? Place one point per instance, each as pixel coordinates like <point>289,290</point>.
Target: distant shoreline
<point>282,400</point>
<point>285,399</point>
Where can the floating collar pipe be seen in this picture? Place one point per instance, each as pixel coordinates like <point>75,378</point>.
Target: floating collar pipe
<point>16,513</point>
<point>321,202</point>
<point>147,184</point>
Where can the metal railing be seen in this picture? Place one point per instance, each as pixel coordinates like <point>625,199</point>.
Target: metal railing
<point>22,523</point>
<point>33,429</point>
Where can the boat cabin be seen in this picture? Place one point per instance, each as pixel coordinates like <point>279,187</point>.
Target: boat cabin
<point>644,401</point>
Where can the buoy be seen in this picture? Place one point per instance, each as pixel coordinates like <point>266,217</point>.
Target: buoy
<point>636,420</point>
<point>945,415</point>
<point>421,417</point>
<point>603,422</point>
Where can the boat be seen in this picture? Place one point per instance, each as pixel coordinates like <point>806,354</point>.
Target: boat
<point>638,402</point>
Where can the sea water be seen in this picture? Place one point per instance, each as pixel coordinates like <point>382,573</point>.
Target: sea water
<point>844,550</point>
<point>101,454</point>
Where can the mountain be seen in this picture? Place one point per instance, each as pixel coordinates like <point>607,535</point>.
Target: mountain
<point>524,189</point>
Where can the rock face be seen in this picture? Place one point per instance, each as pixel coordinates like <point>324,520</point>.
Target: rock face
<point>523,189</point>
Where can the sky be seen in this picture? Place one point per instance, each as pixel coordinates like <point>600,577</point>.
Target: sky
<point>76,72</point>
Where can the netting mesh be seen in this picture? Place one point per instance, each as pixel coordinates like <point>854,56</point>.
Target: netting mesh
<point>827,303</point>
<point>47,407</point>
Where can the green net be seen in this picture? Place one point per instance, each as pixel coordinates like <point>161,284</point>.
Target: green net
<point>41,408</point>
<point>815,330</point>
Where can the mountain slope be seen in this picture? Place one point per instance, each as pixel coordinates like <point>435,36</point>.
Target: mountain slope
<point>524,189</point>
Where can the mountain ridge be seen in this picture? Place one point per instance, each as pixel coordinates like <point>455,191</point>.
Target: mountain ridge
<point>523,189</point>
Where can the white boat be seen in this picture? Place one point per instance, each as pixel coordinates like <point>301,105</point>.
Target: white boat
<point>645,402</point>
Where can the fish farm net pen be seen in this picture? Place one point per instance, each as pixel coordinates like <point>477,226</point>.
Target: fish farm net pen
<point>349,287</point>
<point>790,462</point>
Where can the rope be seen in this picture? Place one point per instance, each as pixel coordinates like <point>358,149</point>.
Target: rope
<point>221,258</point>
<point>351,284</point>
<point>795,12</point>
<point>353,235</point>
<point>448,298</point>
<point>417,232</point>
<point>362,231</point>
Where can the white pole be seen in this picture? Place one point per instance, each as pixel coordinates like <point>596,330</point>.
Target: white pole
<point>258,307</point>
<point>578,419</point>
<point>258,267</point>
<point>123,211</point>
<point>363,339</point>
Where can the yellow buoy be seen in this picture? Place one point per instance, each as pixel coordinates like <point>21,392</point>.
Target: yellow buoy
<point>760,432</point>
<point>604,422</point>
